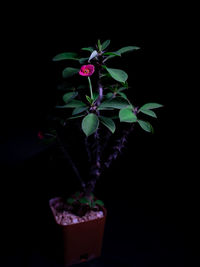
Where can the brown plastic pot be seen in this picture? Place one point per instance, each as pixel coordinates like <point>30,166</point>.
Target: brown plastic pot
<point>81,241</point>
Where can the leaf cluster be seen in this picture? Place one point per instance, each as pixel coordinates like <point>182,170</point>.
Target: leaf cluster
<point>81,200</point>
<point>114,105</point>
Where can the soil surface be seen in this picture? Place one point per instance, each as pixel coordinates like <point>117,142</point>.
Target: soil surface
<point>64,217</point>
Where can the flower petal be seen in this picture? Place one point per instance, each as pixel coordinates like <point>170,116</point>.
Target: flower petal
<point>87,70</point>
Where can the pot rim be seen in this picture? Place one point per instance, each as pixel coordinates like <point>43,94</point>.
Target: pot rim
<point>52,200</point>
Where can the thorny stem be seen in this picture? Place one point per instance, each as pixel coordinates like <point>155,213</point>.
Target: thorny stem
<point>68,157</point>
<point>95,171</point>
<point>100,89</point>
<point>120,143</point>
<point>106,140</point>
<point>96,168</point>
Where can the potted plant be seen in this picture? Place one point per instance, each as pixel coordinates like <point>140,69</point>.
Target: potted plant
<point>99,103</point>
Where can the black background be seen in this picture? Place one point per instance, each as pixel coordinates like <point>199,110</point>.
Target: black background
<point>144,189</point>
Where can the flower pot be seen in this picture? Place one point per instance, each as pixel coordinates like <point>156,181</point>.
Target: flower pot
<point>81,241</point>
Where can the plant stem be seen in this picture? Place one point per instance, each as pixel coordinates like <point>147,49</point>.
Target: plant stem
<point>90,85</point>
<point>87,146</point>
<point>96,167</point>
<point>95,171</point>
<point>106,140</point>
<point>67,156</point>
<point>120,143</point>
<point>100,89</point>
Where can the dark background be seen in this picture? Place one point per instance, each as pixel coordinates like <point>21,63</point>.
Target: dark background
<point>150,204</point>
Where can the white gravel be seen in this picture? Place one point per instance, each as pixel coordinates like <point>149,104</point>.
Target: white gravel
<point>67,218</point>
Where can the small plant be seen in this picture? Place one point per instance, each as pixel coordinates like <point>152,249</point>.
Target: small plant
<point>80,204</point>
<point>101,104</point>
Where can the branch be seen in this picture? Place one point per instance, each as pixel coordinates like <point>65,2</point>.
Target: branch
<point>68,157</point>
<point>88,150</point>
<point>100,88</point>
<point>95,171</point>
<point>120,144</point>
<point>106,140</point>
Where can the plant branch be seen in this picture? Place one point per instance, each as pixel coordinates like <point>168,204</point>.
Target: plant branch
<point>96,167</point>
<point>100,89</point>
<point>88,150</point>
<point>68,157</point>
<point>95,170</point>
<point>120,144</point>
<point>106,140</point>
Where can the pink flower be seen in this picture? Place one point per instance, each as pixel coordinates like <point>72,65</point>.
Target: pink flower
<point>87,70</point>
<point>40,135</point>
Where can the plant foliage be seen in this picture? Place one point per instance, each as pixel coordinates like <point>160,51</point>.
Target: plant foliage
<point>101,105</point>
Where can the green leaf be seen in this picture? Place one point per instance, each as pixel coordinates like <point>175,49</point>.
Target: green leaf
<point>93,54</point>
<point>112,54</point>
<point>83,60</point>
<point>99,45</point>
<point>99,202</point>
<point>105,108</point>
<point>145,125</point>
<point>85,200</point>
<point>127,49</point>
<point>149,112</point>
<point>68,96</point>
<point>122,89</point>
<point>75,117</point>
<point>118,75</point>
<point>109,123</point>
<point>70,200</point>
<point>68,72</point>
<point>117,103</point>
<point>64,56</point>
<point>105,75</point>
<point>122,95</point>
<point>105,44</point>
<point>90,124</point>
<point>109,95</point>
<point>95,95</point>
<point>79,110</point>
<point>125,84</point>
<point>124,50</point>
<point>150,106</point>
<point>73,104</point>
<point>127,115</point>
<point>90,49</point>
<point>90,100</point>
